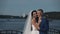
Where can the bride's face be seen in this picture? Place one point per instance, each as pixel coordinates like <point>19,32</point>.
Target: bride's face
<point>34,14</point>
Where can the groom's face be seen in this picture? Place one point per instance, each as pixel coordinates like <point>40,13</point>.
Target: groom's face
<point>39,13</point>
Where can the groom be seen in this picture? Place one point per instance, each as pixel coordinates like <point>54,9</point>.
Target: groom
<point>42,22</point>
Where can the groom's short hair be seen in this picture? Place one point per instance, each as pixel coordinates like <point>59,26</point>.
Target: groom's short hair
<point>40,10</point>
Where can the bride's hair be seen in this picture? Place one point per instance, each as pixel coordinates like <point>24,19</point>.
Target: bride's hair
<point>32,13</point>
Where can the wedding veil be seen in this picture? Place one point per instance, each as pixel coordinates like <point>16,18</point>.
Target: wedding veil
<point>27,27</point>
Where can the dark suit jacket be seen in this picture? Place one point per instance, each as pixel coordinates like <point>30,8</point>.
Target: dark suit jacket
<point>44,26</point>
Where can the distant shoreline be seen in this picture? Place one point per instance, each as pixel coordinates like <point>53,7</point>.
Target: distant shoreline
<point>50,15</point>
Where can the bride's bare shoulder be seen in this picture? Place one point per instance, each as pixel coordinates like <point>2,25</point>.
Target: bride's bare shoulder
<point>33,20</point>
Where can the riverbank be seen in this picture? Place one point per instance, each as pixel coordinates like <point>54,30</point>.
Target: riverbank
<point>50,15</point>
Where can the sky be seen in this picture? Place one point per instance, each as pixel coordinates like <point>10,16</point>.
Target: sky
<point>19,7</point>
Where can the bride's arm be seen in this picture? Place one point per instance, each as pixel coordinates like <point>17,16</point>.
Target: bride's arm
<point>39,21</point>
<point>38,24</point>
<point>34,23</point>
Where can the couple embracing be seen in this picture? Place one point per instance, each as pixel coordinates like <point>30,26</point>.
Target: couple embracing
<point>39,22</point>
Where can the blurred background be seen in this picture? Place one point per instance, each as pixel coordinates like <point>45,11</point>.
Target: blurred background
<point>13,14</point>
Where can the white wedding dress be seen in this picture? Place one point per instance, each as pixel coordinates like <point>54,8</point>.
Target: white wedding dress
<point>34,30</point>
<point>27,28</point>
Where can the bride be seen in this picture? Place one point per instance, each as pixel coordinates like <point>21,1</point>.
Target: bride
<point>31,26</point>
<point>35,27</point>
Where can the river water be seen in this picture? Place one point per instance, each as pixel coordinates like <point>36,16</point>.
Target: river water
<point>18,24</point>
